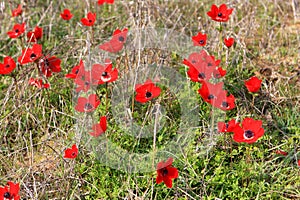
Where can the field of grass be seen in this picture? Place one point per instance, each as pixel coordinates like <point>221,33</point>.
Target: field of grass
<point>37,125</point>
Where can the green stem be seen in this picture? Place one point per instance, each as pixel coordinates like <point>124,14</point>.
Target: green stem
<point>106,98</point>
<point>132,104</point>
<point>248,155</point>
<point>253,98</point>
<point>154,133</point>
<point>92,34</point>
<point>220,41</point>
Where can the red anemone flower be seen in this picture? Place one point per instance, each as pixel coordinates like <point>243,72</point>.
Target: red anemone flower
<point>117,41</point>
<point>17,11</point>
<point>87,104</point>
<point>227,127</point>
<point>249,132</point>
<point>212,93</point>
<point>30,54</point>
<point>71,153</point>
<point>75,70</point>
<point>89,20</point>
<point>17,30</point>
<point>253,84</point>
<point>84,79</point>
<point>146,92</point>
<point>105,74</point>
<point>198,59</point>
<point>100,2</point>
<point>219,72</point>
<point>199,39</point>
<point>225,104</point>
<point>220,14</point>
<point>199,72</point>
<point>10,191</point>
<point>99,128</point>
<point>50,64</point>
<point>228,42</point>
<point>35,35</point>
<point>38,83</point>
<point>66,14</point>
<point>166,172</point>
<point>8,65</point>
<point>280,152</point>
<point>214,61</point>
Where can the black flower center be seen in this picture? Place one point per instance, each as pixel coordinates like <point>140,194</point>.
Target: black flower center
<point>225,104</point>
<point>201,75</point>
<point>219,14</point>
<point>76,72</point>
<point>87,83</point>
<point>217,75</point>
<point>164,171</point>
<point>7,195</point>
<point>209,64</point>
<point>7,66</point>
<point>90,20</point>
<point>73,154</point>
<point>17,30</point>
<point>194,61</point>
<point>104,74</point>
<point>47,63</point>
<point>32,56</point>
<point>210,97</point>
<point>201,42</point>
<point>148,94</point>
<point>121,39</point>
<point>226,125</point>
<point>249,134</point>
<point>88,106</point>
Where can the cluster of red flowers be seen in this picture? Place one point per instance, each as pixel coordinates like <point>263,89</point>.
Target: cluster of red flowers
<point>46,64</point>
<point>249,132</point>
<point>202,69</point>
<point>98,74</point>
<point>90,18</point>
<point>88,103</point>
<point>219,14</point>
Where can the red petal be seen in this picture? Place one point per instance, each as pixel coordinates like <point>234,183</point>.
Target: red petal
<point>260,133</point>
<point>91,16</point>
<point>172,172</point>
<point>223,8</point>
<point>238,134</point>
<point>159,178</point>
<point>221,127</point>
<point>251,124</point>
<point>85,21</point>
<point>168,182</point>
<point>117,31</point>
<point>155,92</point>
<point>141,98</point>
<point>103,123</point>
<point>14,188</point>
<point>213,11</point>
